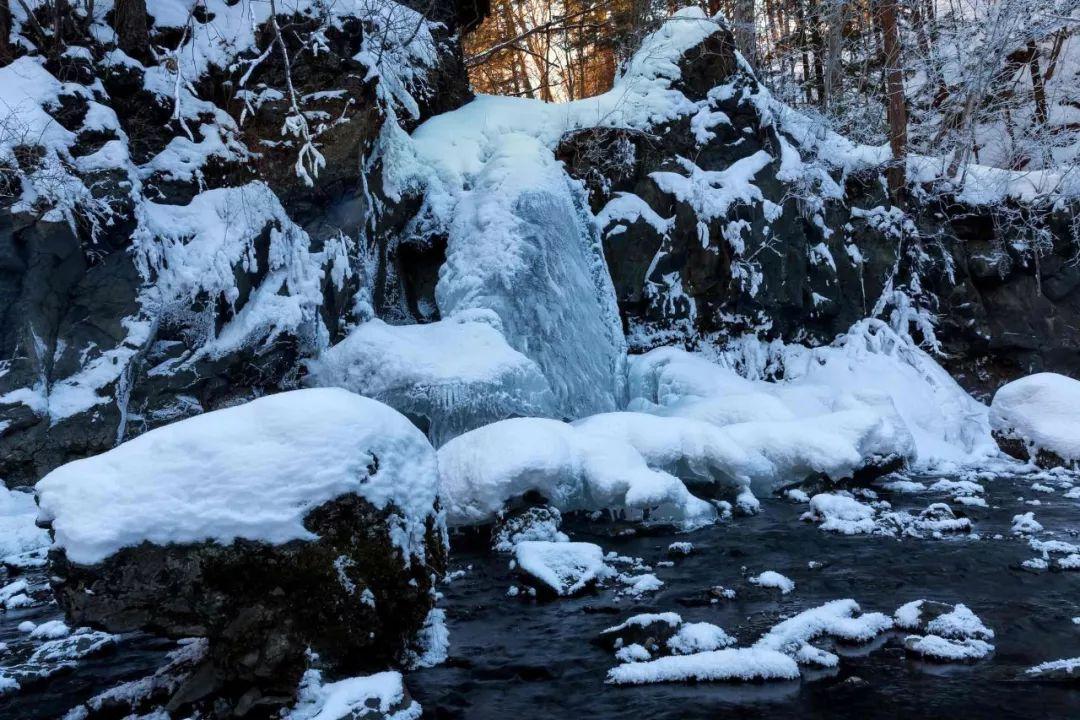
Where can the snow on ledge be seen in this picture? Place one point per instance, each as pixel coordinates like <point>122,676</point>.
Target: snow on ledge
<point>252,471</point>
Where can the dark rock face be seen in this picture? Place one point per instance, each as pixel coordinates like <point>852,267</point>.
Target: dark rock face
<point>820,250</point>
<point>70,291</point>
<point>1019,448</point>
<point>348,597</point>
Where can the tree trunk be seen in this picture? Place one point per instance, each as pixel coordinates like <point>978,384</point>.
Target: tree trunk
<point>6,55</point>
<point>745,40</point>
<point>835,17</point>
<point>885,14</point>
<point>1038,88</point>
<point>129,22</point>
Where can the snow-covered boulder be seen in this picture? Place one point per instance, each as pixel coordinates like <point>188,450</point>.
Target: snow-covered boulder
<point>303,521</point>
<point>561,568</point>
<point>449,376</point>
<point>950,634</point>
<point>613,460</point>
<point>1038,418</point>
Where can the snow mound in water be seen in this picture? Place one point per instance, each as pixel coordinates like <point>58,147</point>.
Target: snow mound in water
<point>566,568</point>
<point>776,656</point>
<point>1042,410</point>
<point>449,376</point>
<point>252,471</point>
<point>872,393</point>
<point>382,694</point>
<point>616,460</point>
<point>744,664</point>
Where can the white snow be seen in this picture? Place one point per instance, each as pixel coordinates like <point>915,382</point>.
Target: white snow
<point>456,374</point>
<point>960,622</point>
<point>836,618</point>
<point>1042,410</point>
<point>776,656</point>
<point>870,393</point>
<point>744,664</point>
<point>18,533</point>
<point>1071,666</point>
<point>251,471</point>
<point>1026,524</point>
<point>352,697</point>
<point>576,467</point>
<point>773,579</point>
<point>565,567</point>
<point>841,514</point>
<point>939,648</point>
<point>699,637</point>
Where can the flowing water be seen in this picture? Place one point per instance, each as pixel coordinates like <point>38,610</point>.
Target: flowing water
<point>516,657</point>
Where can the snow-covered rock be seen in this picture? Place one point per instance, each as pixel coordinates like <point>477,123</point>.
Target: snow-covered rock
<point>742,664</point>
<point>953,634</point>
<point>382,695</point>
<point>775,656</point>
<point>253,472</point>
<point>220,526</point>
<point>841,514</point>
<point>1064,670</point>
<point>1038,417</point>
<point>449,376</point>
<point>773,579</point>
<point>588,466</point>
<point>561,568</point>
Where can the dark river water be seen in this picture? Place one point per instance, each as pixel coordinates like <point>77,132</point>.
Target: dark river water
<point>517,658</point>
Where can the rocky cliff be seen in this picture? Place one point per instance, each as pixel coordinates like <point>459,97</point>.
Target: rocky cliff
<point>179,233</point>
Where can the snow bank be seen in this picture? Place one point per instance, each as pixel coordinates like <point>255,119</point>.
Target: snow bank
<point>1042,411</point>
<point>588,466</point>
<point>871,393</point>
<point>566,568</point>
<point>382,693</point>
<point>252,471</point>
<point>451,376</point>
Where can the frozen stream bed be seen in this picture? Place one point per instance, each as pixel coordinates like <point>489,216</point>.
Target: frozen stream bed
<point>522,658</point>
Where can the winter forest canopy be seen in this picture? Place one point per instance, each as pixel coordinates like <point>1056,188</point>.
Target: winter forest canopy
<point>474,358</point>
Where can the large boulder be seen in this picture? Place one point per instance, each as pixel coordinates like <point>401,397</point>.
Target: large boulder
<point>1037,418</point>
<point>299,525</point>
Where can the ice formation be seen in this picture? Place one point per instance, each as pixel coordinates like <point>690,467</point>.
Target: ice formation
<point>521,241</point>
<point>251,471</point>
<point>449,376</point>
<point>18,533</point>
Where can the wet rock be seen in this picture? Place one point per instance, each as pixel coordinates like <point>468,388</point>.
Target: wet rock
<point>651,631</point>
<point>347,596</point>
<point>534,523</point>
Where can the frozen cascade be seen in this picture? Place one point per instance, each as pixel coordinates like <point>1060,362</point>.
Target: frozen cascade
<point>520,243</point>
